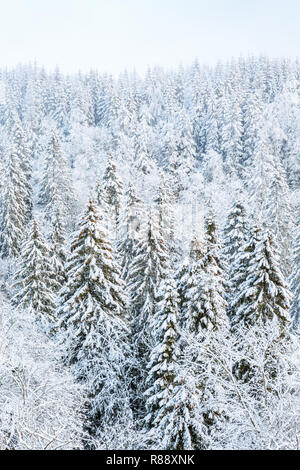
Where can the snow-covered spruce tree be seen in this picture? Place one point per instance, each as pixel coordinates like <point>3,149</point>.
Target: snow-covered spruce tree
<point>112,192</point>
<point>173,403</point>
<point>164,201</point>
<point>100,196</point>
<point>262,304</point>
<point>179,150</point>
<point>241,269</point>
<point>210,273</point>
<point>148,268</point>
<point>181,279</point>
<point>291,155</point>
<point>23,154</point>
<point>210,132</point>
<point>252,113</point>
<point>13,208</point>
<point>129,228</point>
<point>235,236</point>
<point>263,295</point>
<point>231,138</point>
<point>92,322</point>
<point>189,280</point>
<point>260,176</point>
<point>164,356</point>
<point>57,248</point>
<point>235,232</point>
<point>206,320</point>
<point>35,279</point>
<point>144,163</point>
<point>187,145</point>
<point>1,175</point>
<point>56,189</point>
<point>279,212</point>
<point>184,274</point>
<point>295,284</point>
<point>58,101</point>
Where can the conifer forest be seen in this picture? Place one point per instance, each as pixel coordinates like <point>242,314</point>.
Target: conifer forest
<point>150,258</point>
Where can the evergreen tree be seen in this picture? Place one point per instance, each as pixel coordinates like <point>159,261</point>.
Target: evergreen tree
<point>143,150</point>
<point>252,110</point>
<point>206,320</point>
<point>179,423</point>
<point>165,203</point>
<point>260,177</point>
<point>179,153</point>
<point>279,212</point>
<point>165,354</point>
<point>261,308</point>
<point>264,295</point>
<point>231,145</point>
<point>112,193</point>
<point>189,281</point>
<point>181,278</point>
<point>130,226</point>
<point>56,187</point>
<point>213,284</point>
<point>235,232</point>
<point>146,272</point>
<point>92,312</point>
<point>295,284</point>
<point>99,195</point>
<point>58,101</point>
<point>57,249</point>
<point>241,267</point>
<point>34,280</point>
<point>13,208</point>
<point>172,400</point>
<point>23,154</point>
<point>211,128</point>
<point>235,236</point>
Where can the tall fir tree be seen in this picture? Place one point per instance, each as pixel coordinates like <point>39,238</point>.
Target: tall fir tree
<point>112,193</point>
<point>56,191</point>
<point>57,248</point>
<point>147,270</point>
<point>181,278</point>
<point>206,321</point>
<point>235,236</point>
<point>173,404</point>
<point>235,232</point>
<point>295,283</point>
<point>241,267</point>
<point>35,280</point>
<point>261,308</point>
<point>144,162</point>
<point>189,285</point>
<point>22,152</point>
<point>231,138</point>
<point>13,208</point>
<point>164,356</point>
<point>93,319</point>
<point>213,284</point>
<point>264,296</point>
<point>164,201</point>
<point>130,226</point>
<point>279,212</point>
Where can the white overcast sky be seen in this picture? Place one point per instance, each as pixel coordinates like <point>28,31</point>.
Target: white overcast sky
<point>112,35</point>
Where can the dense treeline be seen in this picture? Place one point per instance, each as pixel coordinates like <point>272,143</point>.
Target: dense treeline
<point>149,241</point>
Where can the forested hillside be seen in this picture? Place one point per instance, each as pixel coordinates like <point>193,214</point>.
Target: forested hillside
<point>150,258</point>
